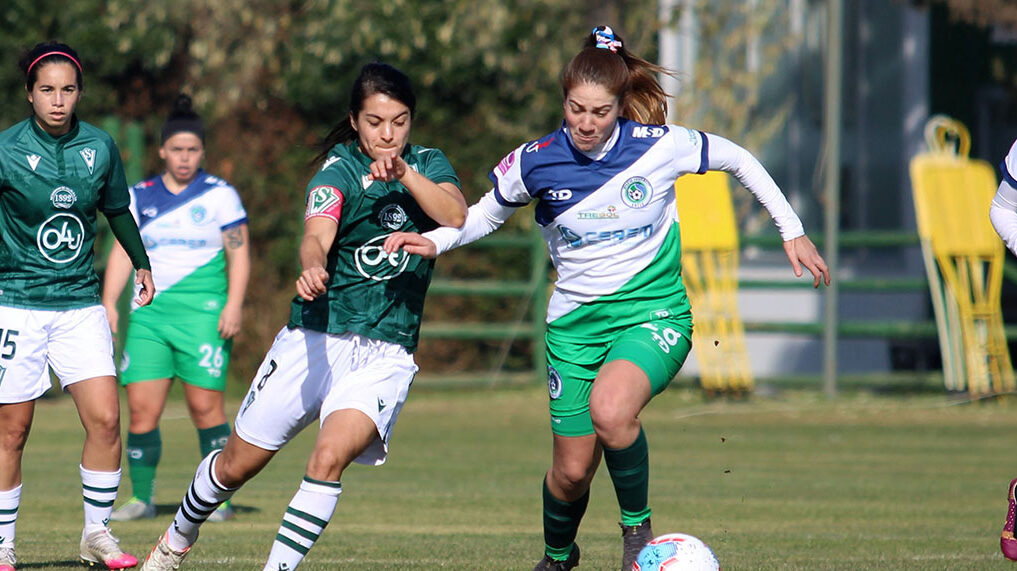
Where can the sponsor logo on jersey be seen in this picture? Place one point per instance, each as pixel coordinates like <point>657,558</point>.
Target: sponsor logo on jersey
<point>559,194</point>
<point>59,238</point>
<point>553,382</point>
<point>644,132</point>
<point>537,145</point>
<point>574,240</point>
<point>63,197</point>
<point>636,192</point>
<point>33,161</point>
<point>392,217</point>
<point>373,262</point>
<point>88,155</point>
<point>506,163</point>
<point>150,212</point>
<point>610,213</point>
<point>198,213</point>
<point>321,200</point>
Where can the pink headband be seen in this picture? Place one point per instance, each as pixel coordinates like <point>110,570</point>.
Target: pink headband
<point>47,54</point>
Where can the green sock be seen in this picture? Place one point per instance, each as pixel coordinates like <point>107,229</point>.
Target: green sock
<point>143,452</point>
<point>213,438</point>
<point>561,523</point>
<point>630,472</point>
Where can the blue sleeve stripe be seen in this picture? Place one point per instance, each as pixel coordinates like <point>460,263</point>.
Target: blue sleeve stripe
<point>501,199</point>
<point>704,155</point>
<point>234,224</point>
<point>1007,176</point>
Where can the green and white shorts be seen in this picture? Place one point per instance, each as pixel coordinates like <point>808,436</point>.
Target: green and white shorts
<point>76,343</point>
<point>186,347</point>
<point>308,375</point>
<point>658,347</point>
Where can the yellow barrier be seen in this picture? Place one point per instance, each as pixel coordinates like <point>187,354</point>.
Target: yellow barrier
<point>963,259</point>
<point>710,271</point>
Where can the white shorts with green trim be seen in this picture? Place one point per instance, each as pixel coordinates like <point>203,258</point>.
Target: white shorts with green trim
<point>76,343</point>
<point>307,375</point>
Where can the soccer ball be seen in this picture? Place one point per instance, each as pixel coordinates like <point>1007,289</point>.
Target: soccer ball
<point>676,552</point>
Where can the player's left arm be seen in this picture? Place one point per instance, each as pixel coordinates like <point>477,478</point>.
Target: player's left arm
<point>443,202</point>
<point>801,252</point>
<point>236,245</point>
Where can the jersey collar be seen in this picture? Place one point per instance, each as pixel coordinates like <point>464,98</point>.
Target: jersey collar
<point>46,138</point>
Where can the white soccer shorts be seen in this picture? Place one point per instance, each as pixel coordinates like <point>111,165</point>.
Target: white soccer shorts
<point>309,374</point>
<point>76,343</point>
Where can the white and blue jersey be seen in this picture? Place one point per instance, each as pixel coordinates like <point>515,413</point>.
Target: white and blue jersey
<point>1003,212</point>
<point>610,220</point>
<point>183,236</point>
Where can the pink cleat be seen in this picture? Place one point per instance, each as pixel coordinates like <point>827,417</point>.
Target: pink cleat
<point>102,549</point>
<point>1007,543</point>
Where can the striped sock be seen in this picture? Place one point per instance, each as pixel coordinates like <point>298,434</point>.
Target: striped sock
<point>9,501</point>
<point>306,517</point>
<point>99,491</point>
<point>203,496</point>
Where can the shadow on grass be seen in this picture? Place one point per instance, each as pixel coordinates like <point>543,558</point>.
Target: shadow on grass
<point>171,509</point>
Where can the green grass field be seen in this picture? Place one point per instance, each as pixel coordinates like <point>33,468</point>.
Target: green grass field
<point>789,482</point>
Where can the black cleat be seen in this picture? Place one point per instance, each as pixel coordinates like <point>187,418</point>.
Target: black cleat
<point>548,564</point>
<point>634,538</point>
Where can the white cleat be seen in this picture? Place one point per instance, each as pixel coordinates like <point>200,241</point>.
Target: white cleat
<point>102,549</point>
<point>163,557</point>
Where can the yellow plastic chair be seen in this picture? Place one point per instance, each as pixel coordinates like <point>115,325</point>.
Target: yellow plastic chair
<point>963,259</point>
<point>710,271</point>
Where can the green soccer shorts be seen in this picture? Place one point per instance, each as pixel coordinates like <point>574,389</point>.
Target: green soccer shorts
<point>189,349</point>
<point>658,347</point>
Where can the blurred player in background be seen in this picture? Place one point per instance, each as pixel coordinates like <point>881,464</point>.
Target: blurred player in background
<point>1003,214</point>
<point>619,322</point>
<point>55,173</point>
<point>345,357</point>
<point>195,229</point>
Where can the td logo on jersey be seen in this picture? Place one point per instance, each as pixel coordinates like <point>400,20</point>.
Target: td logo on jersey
<point>59,238</point>
<point>374,263</point>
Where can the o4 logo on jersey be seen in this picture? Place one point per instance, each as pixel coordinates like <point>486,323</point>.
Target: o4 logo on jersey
<point>59,238</point>
<point>636,192</point>
<point>373,262</point>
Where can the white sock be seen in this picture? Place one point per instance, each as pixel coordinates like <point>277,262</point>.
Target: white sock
<point>99,491</point>
<point>306,517</point>
<point>203,496</point>
<point>9,502</point>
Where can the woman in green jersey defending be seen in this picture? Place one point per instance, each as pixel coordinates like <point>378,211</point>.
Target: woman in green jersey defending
<point>345,357</point>
<point>619,324</point>
<point>196,230</point>
<point>55,173</point>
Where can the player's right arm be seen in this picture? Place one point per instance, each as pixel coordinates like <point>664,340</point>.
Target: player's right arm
<point>319,232</point>
<point>484,217</point>
<point>118,271</point>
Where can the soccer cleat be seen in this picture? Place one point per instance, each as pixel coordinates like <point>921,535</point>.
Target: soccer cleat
<point>163,557</point>
<point>548,564</point>
<point>222,513</point>
<point>102,549</point>
<point>7,559</point>
<point>134,509</point>
<point>1007,543</point>
<point>634,539</point>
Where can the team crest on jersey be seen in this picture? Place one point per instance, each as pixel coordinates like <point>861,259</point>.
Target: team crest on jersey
<point>198,213</point>
<point>636,192</point>
<point>553,382</point>
<point>392,217</point>
<point>88,154</point>
<point>63,197</point>
<point>321,199</point>
<point>373,262</point>
<point>33,161</point>
<point>60,237</point>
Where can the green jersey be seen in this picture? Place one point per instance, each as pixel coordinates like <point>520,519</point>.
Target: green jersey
<point>371,293</point>
<point>50,189</point>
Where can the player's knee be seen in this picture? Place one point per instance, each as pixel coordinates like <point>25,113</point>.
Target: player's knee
<point>609,421</point>
<point>572,476</point>
<point>326,464</point>
<point>104,426</point>
<point>13,438</point>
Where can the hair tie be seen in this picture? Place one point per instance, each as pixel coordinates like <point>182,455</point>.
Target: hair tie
<point>604,38</point>
<point>47,54</point>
